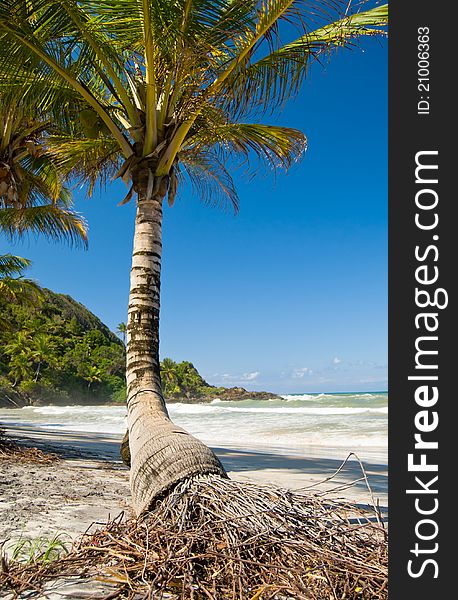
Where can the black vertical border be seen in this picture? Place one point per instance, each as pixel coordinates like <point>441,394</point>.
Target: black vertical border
<point>409,133</point>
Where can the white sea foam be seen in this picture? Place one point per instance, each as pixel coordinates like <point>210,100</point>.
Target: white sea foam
<point>297,422</point>
<point>74,410</point>
<point>292,397</point>
<point>322,396</point>
<point>280,410</point>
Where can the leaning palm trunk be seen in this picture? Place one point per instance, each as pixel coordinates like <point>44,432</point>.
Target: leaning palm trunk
<point>161,454</point>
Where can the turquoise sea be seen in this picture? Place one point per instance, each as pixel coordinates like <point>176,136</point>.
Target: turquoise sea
<point>298,423</point>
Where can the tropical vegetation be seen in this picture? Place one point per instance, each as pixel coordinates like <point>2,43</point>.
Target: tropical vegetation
<point>160,93</point>
<point>56,351</point>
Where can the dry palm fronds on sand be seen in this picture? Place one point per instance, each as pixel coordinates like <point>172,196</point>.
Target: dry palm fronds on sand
<point>218,539</point>
<point>10,450</point>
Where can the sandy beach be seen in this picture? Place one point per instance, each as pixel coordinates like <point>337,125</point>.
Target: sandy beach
<point>89,484</point>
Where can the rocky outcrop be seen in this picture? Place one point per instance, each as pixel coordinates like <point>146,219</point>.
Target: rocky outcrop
<point>233,394</point>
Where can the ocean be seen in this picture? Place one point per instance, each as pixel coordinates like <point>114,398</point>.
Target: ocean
<point>325,424</point>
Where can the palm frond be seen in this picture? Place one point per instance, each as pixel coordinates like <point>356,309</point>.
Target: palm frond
<point>86,159</point>
<point>13,286</point>
<point>32,195</point>
<point>38,182</point>
<point>43,38</point>
<point>12,265</point>
<point>211,181</point>
<point>51,220</point>
<point>267,82</point>
<point>275,146</point>
<point>341,32</point>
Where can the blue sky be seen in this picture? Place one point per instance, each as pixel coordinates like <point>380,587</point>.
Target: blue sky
<point>291,294</point>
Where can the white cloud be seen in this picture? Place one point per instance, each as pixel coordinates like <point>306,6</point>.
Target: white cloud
<point>300,373</point>
<point>249,376</point>
<point>336,360</point>
<point>228,378</point>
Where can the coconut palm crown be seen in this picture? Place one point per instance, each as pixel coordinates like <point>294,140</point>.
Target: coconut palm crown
<point>158,92</point>
<point>33,198</point>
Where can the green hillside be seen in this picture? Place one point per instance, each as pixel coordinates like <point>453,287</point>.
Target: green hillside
<point>58,352</point>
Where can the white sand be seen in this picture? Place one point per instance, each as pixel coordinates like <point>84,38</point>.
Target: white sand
<point>90,484</point>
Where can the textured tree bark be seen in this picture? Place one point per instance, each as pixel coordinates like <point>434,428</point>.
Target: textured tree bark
<point>161,454</point>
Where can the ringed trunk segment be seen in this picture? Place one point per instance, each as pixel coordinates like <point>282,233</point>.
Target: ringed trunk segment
<point>161,453</point>
<point>142,352</point>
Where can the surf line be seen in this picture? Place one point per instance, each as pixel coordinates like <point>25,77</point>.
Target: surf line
<point>429,300</point>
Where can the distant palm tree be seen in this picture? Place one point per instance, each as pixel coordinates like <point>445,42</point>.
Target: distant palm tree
<point>19,342</point>
<point>122,330</point>
<point>169,377</point>
<point>41,352</point>
<point>19,367</point>
<point>92,374</point>
<point>19,351</point>
<point>161,92</point>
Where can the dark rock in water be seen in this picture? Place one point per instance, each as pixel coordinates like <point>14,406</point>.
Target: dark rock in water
<point>240,393</point>
<point>233,394</point>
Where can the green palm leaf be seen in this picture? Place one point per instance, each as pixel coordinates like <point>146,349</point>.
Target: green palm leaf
<point>278,147</point>
<point>270,80</point>
<point>12,265</point>
<point>52,221</point>
<point>211,180</point>
<point>86,159</point>
<point>32,195</point>
<point>13,286</point>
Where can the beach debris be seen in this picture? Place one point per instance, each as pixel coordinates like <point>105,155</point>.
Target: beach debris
<point>11,450</point>
<point>215,538</point>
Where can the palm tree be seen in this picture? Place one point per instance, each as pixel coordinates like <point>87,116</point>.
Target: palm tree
<point>20,363</point>
<point>160,91</point>
<point>169,376</point>
<point>19,367</point>
<point>32,197</point>
<point>13,286</point>
<point>41,352</point>
<point>122,330</point>
<point>92,374</point>
<point>20,342</point>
